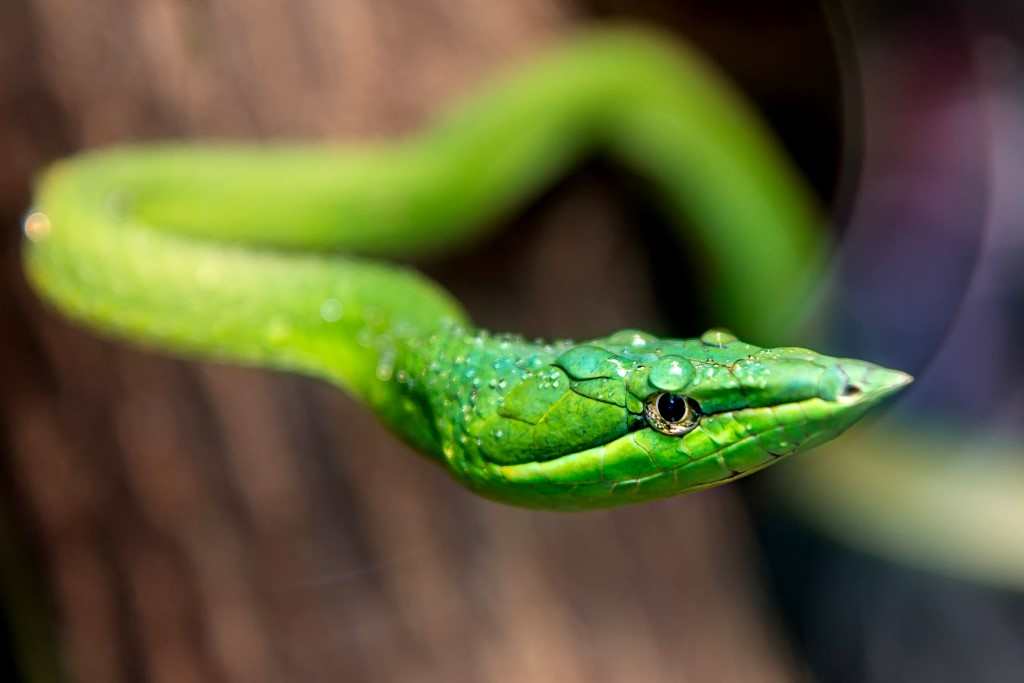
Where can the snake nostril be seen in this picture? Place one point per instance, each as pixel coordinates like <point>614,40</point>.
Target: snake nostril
<point>851,392</point>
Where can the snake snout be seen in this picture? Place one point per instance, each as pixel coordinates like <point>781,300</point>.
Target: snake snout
<point>868,383</point>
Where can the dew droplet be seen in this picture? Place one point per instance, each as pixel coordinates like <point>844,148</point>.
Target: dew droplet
<point>37,226</point>
<point>330,310</point>
<point>718,338</point>
<point>671,374</point>
<point>385,367</point>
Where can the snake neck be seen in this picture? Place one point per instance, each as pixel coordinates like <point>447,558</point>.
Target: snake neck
<point>440,390</point>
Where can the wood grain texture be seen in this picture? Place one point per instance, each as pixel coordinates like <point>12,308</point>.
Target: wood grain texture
<point>202,523</point>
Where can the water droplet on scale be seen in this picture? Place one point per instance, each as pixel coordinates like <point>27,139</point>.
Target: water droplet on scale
<point>37,226</point>
<point>330,310</point>
<point>385,368</point>
<point>718,338</point>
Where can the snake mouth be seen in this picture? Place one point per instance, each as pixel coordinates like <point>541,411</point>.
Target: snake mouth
<point>646,454</point>
<point>637,466</point>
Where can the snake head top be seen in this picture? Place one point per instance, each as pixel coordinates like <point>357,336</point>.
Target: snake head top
<point>632,417</point>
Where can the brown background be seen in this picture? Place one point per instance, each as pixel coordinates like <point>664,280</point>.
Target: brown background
<point>190,522</point>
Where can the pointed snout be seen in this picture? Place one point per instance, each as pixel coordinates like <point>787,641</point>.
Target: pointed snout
<point>883,382</point>
<point>869,383</point>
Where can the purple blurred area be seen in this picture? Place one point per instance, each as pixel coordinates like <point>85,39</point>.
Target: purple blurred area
<point>929,262</point>
<point>929,277</point>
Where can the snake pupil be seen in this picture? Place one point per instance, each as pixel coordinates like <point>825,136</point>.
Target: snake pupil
<point>672,408</point>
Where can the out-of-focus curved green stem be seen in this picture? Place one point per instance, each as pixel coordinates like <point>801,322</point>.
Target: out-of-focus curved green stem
<point>948,501</point>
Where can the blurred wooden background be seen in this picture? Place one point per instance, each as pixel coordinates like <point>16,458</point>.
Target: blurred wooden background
<point>194,522</point>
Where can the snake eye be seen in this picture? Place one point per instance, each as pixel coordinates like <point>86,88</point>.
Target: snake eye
<point>671,414</point>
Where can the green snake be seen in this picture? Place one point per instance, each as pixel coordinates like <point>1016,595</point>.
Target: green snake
<point>271,256</point>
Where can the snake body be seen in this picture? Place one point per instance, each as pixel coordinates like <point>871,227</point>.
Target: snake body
<point>233,252</point>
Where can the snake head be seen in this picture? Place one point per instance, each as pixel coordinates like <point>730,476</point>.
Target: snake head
<point>632,417</point>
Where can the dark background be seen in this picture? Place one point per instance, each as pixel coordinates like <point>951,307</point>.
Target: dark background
<point>181,522</point>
